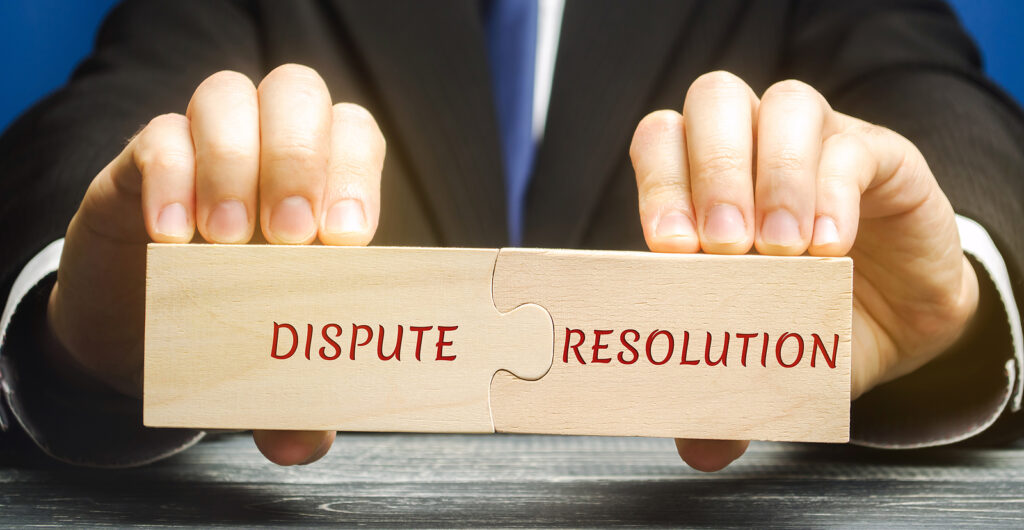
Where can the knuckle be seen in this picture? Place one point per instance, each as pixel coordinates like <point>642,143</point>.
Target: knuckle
<point>293,73</point>
<point>164,161</point>
<point>872,133</point>
<point>221,93</point>
<point>913,164</point>
<point>868,130</point>
<point>171,120</point>
<point>311,93</point>
<point>784,162</point>
<point>905,144</point>
<point>846,146</point>
<point>660,121</point>
<point>357,116</point>
<point>719,80</point>
<point>720,163</point>
<point>299,151</point>
<point>353,113</point>
<point>834,183</point>
<point>226,79</point>
<point>156,150</point>
<point>224,150</point>
<point>655,127</point>
<point>841,140</point>
<point>718,89</point>
<point>791,89</point>
<point>346,167</point>
<point>662,190</point>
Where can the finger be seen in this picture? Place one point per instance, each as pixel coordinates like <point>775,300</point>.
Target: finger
<point>905,216</point>
<point>658,152</point>
<point>790,127</point>
<point>352,195</point>
<point>289,448</point>
<point>295,126</point>
<point>162,169</point>
<point>719,115</point>
<point>901,181</point>
<point>844,172</point>
<point>224,114</point>
<point>710,455</point>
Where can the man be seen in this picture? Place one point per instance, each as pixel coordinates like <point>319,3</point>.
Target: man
<point>828,128</point>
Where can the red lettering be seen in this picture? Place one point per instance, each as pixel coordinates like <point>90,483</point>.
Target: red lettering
<point>650,342</point>
<point>831,362</point>
<point>600,350</point>
<point>598,333</point>
<point>355,336</point>
<point>295,341</point>
<point>419,337</point>
<point>396,354</point>
<point>628,346</point>
<point>800,350</point>
<point>686,349</point>
<point>746,339</point>
<point>309,338</point>
<point>575,347</point>
<point>337,349</point>
<point>441,343</point>
<point>725,351</point>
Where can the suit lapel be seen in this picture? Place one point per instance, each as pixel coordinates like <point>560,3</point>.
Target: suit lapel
<point>610,58</point>
<point>428,65</point>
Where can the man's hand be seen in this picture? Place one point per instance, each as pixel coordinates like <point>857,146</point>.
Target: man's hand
<point>279,157</point>
<point>785,174</point>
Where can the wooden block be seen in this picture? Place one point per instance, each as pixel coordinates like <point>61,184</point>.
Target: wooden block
<point>216,317</point>
<point>617,314</point>
<point>624,334</point>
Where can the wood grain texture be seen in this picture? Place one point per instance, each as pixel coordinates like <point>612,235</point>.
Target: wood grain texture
<point>641,344</point>
<point>698,294</point>
<point>212,313</point>
<point>447,481</point>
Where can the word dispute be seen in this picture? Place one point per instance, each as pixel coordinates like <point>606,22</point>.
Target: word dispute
<point>659,347</point>
<point>361,336</point>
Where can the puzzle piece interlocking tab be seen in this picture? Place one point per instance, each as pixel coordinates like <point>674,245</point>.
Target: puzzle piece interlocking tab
<point>313,337</point>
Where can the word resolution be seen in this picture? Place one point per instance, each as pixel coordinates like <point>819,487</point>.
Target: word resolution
<point>661,346</point>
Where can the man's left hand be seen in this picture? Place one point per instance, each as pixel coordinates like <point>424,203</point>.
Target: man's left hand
<point>787,175</point>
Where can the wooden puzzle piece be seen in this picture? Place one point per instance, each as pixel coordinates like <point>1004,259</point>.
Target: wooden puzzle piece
<point>306,337</point>
<point>697,346</point>
<point>314,337</point>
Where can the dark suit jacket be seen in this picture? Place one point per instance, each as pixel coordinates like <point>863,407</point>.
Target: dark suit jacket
<point>420,68</point>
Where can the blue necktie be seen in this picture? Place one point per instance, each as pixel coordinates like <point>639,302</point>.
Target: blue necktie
<point>511,41</point>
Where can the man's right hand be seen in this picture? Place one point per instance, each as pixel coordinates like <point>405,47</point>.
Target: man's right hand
<point>279,157</point>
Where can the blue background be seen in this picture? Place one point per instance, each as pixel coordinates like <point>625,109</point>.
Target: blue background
<point>42,40</point>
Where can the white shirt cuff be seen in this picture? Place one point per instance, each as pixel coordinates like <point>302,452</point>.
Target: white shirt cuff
<point>39,267</point>
<point>976,242</point>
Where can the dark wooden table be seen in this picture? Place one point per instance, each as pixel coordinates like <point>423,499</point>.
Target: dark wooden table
<point>498,480</point>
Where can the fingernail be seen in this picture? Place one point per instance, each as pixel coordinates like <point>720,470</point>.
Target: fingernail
<point>725,224</point>
<point>291,220</point>
<point>825,231</point>
<point>674,224</point>
<point>228,222</point>
<point>780,228</point>
<point>345,217</point>
<point>173,220</point>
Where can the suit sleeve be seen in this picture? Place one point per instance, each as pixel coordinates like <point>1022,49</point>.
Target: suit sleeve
<point>148,59</point>
<point>908,65</point>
